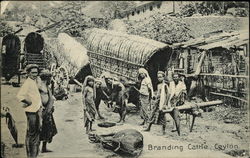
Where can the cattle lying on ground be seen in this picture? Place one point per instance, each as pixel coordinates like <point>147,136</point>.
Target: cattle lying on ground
<point>125,142</point>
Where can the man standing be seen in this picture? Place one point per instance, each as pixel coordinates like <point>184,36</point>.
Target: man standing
<point>157,116</point>
<point>48,130</point>
<point>177,90</point>
<point>146,93</point>
<point>30,96</point>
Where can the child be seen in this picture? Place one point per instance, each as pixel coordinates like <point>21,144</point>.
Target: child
<point>89,108</point>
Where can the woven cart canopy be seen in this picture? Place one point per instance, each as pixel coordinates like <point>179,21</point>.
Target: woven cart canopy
<point>131,48</point>
<point>119,53</point>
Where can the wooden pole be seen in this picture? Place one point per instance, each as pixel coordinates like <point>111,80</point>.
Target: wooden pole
<point>77,82</point>
<point>192,125</point>
<point>230,96</point>
<point>189,105</point>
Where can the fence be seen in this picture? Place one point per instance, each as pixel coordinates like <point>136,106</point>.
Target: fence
<point>233,89</point>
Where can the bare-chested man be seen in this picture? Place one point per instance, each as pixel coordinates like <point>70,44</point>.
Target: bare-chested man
<point>48,124</point>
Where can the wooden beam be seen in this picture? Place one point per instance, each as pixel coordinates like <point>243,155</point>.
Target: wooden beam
<point>78,83</point>
<point>223,75</point>
<point>189,105</point>
<point>230,96</point>
<point>228,90</point>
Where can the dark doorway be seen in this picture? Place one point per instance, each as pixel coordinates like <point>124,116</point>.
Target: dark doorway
<point>158,62</point>
<point>85,71</point>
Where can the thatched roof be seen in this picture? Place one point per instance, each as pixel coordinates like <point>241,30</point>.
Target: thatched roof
<point>67,52</point>
<point>73,50</point>
<point>130,48</point>
<point>204,24</point>
<point>122,54</point>
<point>218,40</point>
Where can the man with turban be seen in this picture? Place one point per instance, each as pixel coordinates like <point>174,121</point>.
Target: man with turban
<point>146,93</point>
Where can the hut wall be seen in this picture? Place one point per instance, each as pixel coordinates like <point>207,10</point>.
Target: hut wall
<point>224,70</point>
<point>178,61</point>
<point>184,60</point>
<point>195,55</point>
<point>223,73</point>
<point>243,60</point>
<point>217,59</point>
<point>220,78</point>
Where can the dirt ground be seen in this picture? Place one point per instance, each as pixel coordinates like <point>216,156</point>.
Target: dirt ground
<point>222,139</point>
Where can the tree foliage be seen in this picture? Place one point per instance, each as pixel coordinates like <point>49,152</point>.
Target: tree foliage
<point>114,9</point>
<point>188,10</point>
<point>161,27</point>
<point>73,21</point>
<point>69,13</point>
<point>42,14</point>
<point>213,7</point>
<point>5,29</point>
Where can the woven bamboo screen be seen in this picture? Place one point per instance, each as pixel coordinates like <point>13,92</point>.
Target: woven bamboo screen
<point>118,53</point>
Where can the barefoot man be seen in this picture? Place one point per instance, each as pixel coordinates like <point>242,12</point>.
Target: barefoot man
<point>30,96</point>
<point>48,124</point>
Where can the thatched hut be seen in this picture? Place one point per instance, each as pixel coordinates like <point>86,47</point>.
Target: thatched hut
<point>122,54</point>
<point>221,61</point>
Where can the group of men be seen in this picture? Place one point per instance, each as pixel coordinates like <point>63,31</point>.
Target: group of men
<point>171,92</point>
<point>37,99</point>
<point>115,92</point>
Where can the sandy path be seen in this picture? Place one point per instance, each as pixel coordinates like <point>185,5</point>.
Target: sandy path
<point>71,140</point>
